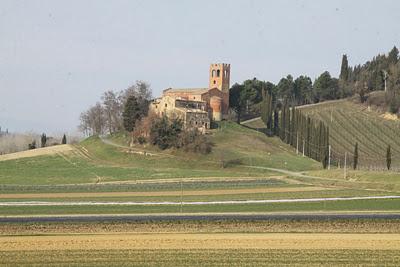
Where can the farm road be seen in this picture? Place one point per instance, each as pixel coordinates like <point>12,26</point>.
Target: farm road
<point>169,203</point>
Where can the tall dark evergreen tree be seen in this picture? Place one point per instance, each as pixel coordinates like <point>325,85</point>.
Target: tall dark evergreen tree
<point>393,56</point>
<point>131,113</point>
<point>355,160</point>
<point>64,139</point>
<point>344,69</point>
<point>43,140</point>
<point>276,121</point>
<point>388,157</point>
<point>237,100</point>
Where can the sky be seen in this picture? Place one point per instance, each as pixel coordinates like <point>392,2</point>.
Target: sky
<point>58,57</point>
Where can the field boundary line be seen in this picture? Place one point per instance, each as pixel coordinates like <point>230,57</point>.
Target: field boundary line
<point>173,203</point>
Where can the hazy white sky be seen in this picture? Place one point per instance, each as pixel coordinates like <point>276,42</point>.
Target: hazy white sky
<point>57,57</point>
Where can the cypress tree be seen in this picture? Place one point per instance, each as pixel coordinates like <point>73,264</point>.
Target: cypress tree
<point>43,140</point>
<point>355,160</point>
<point>288,125</point>
<point>388,157</point>
<point>344,69</point>
<point>282,128</point>
<point>276,121</point>
<point>64,140</point>
<point>308,137</point>
<point>270,111</point>
<point>293,126</point>
<point>263,106</point>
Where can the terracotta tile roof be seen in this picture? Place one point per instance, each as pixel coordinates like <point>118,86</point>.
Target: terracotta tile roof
<point>188,90</point>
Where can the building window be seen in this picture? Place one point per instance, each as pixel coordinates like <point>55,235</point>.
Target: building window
<point>165,104</point>
<point>215,81</point>
<point>213,73</point>
<point>218,73</point>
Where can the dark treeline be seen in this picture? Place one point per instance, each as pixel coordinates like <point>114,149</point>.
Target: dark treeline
<point>382,73</point>
<point>309,136</point>
<point>359,80</point>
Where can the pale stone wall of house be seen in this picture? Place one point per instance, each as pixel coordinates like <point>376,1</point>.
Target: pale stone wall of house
<point>163,106</point>
<point>197,120</point>
<point>198,116</point>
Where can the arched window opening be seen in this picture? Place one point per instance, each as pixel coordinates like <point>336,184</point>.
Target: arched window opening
<point>218,73</point>
<point>213,73</point>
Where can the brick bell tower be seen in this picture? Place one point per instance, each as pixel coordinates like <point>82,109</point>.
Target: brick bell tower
<point>219,78</point>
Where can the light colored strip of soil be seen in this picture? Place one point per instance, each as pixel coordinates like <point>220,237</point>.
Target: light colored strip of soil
<point>169,203</point>
<point>164,193</point>
<point>51,150</point>
<point>202,241</point>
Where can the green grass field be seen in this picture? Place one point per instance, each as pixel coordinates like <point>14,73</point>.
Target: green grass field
<point>392,205</point>
<point>95,162</point>
<point>95,167</point>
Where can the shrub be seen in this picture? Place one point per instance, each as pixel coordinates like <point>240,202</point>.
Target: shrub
<point>165,134</point>
<point>32,145</point>
<point>141,140</point>
<point>394,105</point>
<point>170,134</point>
<point>193,141</point>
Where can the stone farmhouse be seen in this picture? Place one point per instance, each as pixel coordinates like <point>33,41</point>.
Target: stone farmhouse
<point>197,107</point>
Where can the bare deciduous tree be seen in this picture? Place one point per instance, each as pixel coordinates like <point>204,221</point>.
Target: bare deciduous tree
<point>113,108</point>
<point>107,116</point>
<point>92,120</point>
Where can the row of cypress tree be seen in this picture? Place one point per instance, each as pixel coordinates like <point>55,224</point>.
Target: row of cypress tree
<point>309,136</point>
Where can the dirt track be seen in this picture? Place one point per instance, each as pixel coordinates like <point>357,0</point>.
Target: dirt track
<point>51,150</point>
<point>202,241</point>
<point>164,193</point>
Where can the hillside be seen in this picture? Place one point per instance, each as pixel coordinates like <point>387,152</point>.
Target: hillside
<point>350,122</point>
<point>93,161</point>
<point>246,172</point>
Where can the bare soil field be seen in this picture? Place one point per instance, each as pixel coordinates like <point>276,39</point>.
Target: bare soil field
<point>44,151</point>
<point>222,226</point>
<point>202,257</point>
<point>165,193</point>
<point>202,241</point>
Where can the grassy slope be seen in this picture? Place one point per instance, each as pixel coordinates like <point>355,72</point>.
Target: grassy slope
<point>350,123</point>
<point>96,161</point>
